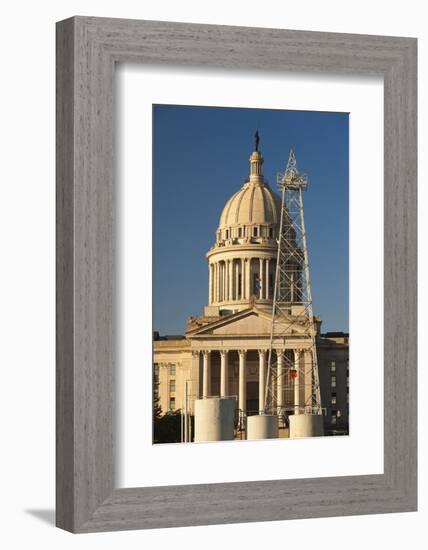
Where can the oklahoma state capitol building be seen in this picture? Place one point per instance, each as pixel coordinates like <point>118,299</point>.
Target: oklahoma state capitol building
<point>224,351</point>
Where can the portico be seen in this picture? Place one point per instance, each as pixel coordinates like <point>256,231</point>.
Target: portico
<point>233,353</point>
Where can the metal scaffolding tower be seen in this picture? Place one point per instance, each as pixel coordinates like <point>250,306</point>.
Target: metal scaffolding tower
<point>292,306</point>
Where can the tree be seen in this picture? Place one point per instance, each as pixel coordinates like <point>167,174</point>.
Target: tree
<point>167,429</point>
<point>157,409</point>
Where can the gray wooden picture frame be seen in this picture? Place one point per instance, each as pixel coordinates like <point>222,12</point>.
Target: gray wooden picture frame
<point>87,51</point>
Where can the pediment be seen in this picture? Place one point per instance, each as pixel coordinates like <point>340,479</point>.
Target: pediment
<point>251,322</point>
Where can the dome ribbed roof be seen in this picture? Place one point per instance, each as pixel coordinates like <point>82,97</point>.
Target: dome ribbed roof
<point>255,202</point>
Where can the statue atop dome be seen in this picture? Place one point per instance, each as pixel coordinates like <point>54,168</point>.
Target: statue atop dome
<point>257,139</point>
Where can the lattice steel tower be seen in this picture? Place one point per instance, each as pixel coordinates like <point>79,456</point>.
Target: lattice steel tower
<point>292,315</point>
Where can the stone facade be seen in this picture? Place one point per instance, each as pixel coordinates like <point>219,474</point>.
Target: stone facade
<point>176,364</point>
<point>333,367</point>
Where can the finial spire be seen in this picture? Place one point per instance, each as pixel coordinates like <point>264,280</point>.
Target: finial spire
<point>256,161</point>
<point>257,139</point>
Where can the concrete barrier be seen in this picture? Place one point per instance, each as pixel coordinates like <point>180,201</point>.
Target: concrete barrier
<point>306,425</point>
<point>214,419</point>
<point>262,426</point>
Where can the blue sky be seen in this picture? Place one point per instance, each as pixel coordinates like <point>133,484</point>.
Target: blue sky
<point>200,159</point>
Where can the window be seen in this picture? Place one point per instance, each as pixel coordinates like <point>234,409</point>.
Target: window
<point>156,380</point>
<point>255,232</point>
<point>270,232</point>
<point>172,385</point>
<point>334,419</point>
<point>333,400</point>
<point>240,232</point>
<point>333,381</point>
<point>256,284</point>
<point>172,403</point>
<point>332,366</point>
<point>172,370</point>
<point>227,233</point>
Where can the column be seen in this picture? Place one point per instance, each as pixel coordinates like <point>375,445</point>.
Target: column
<point>296,382</point>
<point>223,281</point>
<point>267,279</point>
<point>308,374</point>
<point>262,380</point>
<point>242,395</point>
<point>280,380</point>
<point>210,285</point>
<point>230,277</point>
<point>236,290</point>
<point>226,281</point>
<point>261,279</point>
<point>206,374</point>
<point>242,279</point>
<point>217,271</point>
<point>220,281</point>
<point>216,282</point>
<point>195,375</point>
<point>224,373</point>
<point>213,282</point>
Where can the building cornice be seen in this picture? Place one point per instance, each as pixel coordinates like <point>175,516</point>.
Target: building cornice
<point>240,250</point>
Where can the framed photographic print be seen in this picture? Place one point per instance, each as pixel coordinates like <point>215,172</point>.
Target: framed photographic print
<point>253,348</point>
<point>236,274</point>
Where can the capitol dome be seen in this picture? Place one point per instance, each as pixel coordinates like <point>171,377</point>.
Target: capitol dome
<point>254,203</point>
<point>242,261</point>
<point>253,211</point>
